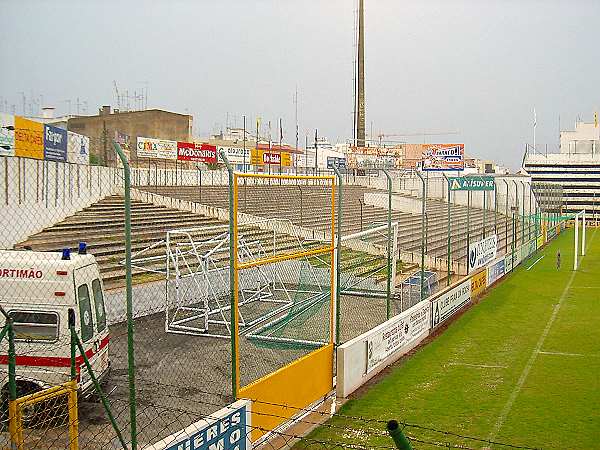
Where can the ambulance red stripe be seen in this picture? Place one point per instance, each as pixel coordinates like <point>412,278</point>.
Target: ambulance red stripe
<point>54,361</point>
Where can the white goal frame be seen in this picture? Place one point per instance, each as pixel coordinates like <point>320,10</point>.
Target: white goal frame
<point>576,243</point>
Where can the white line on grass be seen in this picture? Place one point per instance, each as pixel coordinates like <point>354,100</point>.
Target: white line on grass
<point>568,354</point>
<point>536,261</point>
<point>513,396</point>
<point>483,366</point>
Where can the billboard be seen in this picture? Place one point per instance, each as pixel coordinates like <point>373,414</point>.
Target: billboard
<point>124,140</point>
<point>156,148</point>
<point>226,429</point>
<point>7,135</point>
<point>540,241</point>
<point>482,252</point>
<point>55,143</point>
<point>334,161</point>
<point>29,138</point>
<point>495,271</point>
<point>397,333</point>
<point>478,283</point>
<point>444,306</point>
<point>261,157</point>
<point>443,157</point>
<point>204,153</point>
<point>78,148</point>
<point>472,183</point>
<point>508,262</point>
<point>235,155</point>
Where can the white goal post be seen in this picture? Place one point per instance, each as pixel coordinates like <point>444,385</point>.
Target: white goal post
<point>580,214</point>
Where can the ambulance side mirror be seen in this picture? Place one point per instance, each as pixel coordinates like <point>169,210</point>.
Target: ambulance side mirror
<point>71,314</point>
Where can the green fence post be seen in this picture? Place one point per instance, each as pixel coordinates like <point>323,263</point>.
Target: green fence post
<point>529,223</point>
<point>71,314</point>
<point>516,207</point>
<point>103,399</point>
<point>12,362</point>
<point>423,208</point>
<point>522,212</point>
<point>514,238</point>
<point>506,218</point>
<point>12,374</point>
<point>495,209</point>
<point>233,313</point>
<point>398,436</point>
<point>129,295</point>
<point>484,210</point>
<point>448,227</point>
<point>389,247</point>
<point>12,355</point>
<point>338,257</point>
<point>468,226</point>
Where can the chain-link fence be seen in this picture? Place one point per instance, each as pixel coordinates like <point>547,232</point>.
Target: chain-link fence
<point>132,299</point>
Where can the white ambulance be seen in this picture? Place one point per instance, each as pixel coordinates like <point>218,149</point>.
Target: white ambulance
<point>37,290</point>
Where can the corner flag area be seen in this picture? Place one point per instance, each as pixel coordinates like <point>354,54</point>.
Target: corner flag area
<point>519,369</point>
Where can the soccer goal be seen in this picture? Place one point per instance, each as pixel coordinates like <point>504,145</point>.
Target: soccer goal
<point>578,216</point>
<point>367,277</point>
<point>198,287</point>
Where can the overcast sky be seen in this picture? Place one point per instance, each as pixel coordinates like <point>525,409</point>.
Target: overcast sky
<point>473,66</point>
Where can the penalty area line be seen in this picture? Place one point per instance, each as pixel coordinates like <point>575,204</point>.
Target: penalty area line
<point>536,261</point>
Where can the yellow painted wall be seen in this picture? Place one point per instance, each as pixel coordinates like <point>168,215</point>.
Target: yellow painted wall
<point>296,385</point>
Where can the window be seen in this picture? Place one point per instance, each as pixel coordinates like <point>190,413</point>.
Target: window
<point>99,303</point>
<point>85,312</point>
<point>35,326</point>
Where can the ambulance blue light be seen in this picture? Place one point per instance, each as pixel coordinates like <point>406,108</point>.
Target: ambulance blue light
<point>82,248</point>
<point>66,253</point>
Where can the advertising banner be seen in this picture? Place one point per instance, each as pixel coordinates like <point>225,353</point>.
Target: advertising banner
<point>7,135</point>
<point>235,155</point>
<point>334,161</point>
<point>156,148</point>
<point>29,138</point>
<point>508,262</point>
<point>78,148</point>
<point>124,140</point>
<point>204,153</point>
<point>495,271</point>
<point>551,233</point>
<point>261,158</point>
<point>517,257</point>
<point>444,306</point>
<point>398,332</point>
<point>478,283</point>
<point>472,183</point>
<point>482,252</point>
<point>443,157</point>
<point>540,241</point>
<point>55,143</point>
<point>226,429</point>
<point>271,158</point>
<point>256,157</point>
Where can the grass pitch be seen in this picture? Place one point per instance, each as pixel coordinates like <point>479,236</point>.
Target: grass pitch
<point>521,367</point>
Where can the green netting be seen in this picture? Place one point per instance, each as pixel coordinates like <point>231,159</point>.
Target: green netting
<point>306,323</point>
<point>550,218</point>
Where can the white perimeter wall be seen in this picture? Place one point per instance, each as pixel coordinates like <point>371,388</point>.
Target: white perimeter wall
<point>36,194</point>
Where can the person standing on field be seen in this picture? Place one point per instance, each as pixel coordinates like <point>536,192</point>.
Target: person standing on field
<point>558,260</point>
